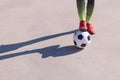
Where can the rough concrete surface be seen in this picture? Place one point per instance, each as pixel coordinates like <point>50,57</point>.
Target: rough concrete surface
<point>36,41</point>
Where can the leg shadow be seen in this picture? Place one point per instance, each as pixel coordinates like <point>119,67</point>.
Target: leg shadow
<point>11,47</point>
<point>54,51</point>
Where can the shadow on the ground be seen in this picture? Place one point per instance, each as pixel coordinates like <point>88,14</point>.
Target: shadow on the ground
<point>54,51</point>
<point>11,47</point>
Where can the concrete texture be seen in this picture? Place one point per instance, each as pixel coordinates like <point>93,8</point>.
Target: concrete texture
<point>36,41</point>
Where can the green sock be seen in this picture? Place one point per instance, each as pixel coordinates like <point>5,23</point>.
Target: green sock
<point>80,8</point>
<point>90,8</point>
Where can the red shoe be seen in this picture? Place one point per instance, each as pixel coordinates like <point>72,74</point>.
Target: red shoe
<point>82,26</point>
<point>90,28</point>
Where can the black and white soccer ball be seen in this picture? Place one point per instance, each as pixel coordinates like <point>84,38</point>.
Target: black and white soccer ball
<point>81,39</point>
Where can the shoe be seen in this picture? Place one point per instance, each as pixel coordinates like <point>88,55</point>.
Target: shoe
<point>90,28</point>
<point>82,26</point>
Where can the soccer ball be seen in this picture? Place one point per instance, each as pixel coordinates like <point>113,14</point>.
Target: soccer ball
<point>81,39</point>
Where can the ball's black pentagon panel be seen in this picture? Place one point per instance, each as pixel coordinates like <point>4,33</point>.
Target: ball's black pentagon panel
<point>83,45</point>
<point>88,38</point>
<point>75,43</point>
<point>80,36</point>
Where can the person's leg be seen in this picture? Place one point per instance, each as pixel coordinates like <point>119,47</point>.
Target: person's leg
<point>90,8</point>
<point>81,9</point>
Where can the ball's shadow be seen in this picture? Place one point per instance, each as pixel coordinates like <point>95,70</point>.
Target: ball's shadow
<point>57,51</point>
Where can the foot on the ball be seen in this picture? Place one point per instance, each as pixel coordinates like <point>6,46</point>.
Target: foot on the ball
<point>82,26</point>
<point>90,28</point>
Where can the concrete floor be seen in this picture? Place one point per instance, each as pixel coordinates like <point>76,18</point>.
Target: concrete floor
<point>36,41</point>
